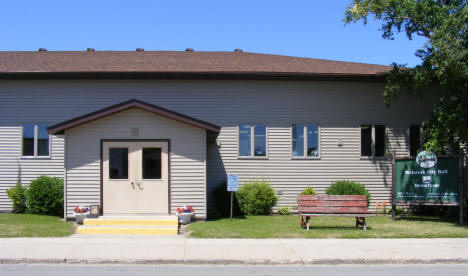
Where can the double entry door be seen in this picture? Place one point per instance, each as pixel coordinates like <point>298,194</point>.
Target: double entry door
<point>135,177</point>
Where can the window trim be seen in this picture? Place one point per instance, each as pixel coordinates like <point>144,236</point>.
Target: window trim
<point>305,157</point>
<point>386,153</point>
<point>252,141</point>
<point>36,132</point>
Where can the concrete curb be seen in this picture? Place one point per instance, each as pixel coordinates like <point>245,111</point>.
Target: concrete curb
<point>233,262</point>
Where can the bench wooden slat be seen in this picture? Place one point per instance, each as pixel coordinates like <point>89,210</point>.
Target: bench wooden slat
<point>364,215</point>
<point>332,209</point>
<point>331,197</point>
<point>318,203</point>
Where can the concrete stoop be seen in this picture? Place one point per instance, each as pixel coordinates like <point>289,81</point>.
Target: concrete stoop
<point>130,225</point>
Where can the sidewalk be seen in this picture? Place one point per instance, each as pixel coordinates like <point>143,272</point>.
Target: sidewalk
<point>177,249</point>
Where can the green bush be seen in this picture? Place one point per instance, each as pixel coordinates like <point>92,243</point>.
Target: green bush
<point>45,196</point>
<point>222,202</point>
<point>18,195</point>
<point>345,187</point>
<point>438,211</point>
<point>256,198</point>
<point>308,191</point>
<point>284,211</point>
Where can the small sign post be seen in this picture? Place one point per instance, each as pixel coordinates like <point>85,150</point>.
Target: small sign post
<point>461,196</point>
<point>232,186</point>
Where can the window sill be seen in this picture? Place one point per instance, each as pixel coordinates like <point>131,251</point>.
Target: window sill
<point>306,158</point>
<point>374,158</point>
<point>252,157</point>
<point>35,157</point>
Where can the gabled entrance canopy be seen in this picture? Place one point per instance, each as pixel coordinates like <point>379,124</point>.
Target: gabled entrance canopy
<point>61,127</point>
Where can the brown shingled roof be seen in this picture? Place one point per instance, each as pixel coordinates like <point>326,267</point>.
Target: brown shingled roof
<point>176,62</point>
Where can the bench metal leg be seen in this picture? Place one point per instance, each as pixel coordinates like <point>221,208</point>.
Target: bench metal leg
<point>361,221</point>
<point>306,222</point>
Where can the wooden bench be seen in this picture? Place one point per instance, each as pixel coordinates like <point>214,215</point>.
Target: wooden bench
<point>333,205</point>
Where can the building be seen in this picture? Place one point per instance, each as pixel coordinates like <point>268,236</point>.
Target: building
<point>150,131</point>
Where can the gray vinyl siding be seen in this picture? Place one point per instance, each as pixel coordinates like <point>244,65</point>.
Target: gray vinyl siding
<point>339,108</point>
<point>14,168</point>
<point>187,157</point>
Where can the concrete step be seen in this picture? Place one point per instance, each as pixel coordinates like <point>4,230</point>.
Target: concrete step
<point>130,225</point>
<point>132,221</point>
<point>127,230</point>
<point>137,216</point>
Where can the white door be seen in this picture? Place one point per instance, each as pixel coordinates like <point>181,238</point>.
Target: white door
<point>135,178</point>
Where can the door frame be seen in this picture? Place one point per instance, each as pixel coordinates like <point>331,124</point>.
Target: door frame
<point>168,141</point>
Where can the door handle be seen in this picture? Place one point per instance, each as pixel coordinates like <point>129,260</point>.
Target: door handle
<point>139,183</point>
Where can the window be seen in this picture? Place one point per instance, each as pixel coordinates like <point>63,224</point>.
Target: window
<point>380,143</point>
<point>151,163</point>
<point>252,141</point>
<point>118,163</point>
<point>366,140</point>
<point>305,140</point>
<point>373,141</point>
<point>35,140</point>
<point>415,140</point>
<point>28,140</point>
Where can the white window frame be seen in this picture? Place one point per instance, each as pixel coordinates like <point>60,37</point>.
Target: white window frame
<point>252,142</point>
<point>373,142</point>
<point>305,141</point>
<point>36,131</point>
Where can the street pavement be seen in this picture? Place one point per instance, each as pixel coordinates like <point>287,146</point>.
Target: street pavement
<point>80,249</point>
<point>228,270</point>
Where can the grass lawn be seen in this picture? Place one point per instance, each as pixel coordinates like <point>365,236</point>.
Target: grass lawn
<point>328,227</point>
<point>26,225</point>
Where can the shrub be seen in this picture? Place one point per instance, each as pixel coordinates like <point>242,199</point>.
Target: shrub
<point>45,196</point>
<point>18,195</point>
<point>345,187</point>
<point>256,198</point>
<point>308,191</point>
<point>284,211</point>
<point>222,202</point>
<point>439,211</point>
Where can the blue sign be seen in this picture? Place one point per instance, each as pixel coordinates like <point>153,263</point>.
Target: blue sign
<point>232,183</point>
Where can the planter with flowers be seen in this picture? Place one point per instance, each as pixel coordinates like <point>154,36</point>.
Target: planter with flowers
<point>80,214</point>
<point>186,214</point>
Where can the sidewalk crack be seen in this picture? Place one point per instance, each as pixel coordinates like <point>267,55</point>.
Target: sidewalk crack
<point>301,260</point>
<point>67,257</point>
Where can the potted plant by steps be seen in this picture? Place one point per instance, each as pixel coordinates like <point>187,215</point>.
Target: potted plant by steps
<point>80,214</point>
<point>185,214</point>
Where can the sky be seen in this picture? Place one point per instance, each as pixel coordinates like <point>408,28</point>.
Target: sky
<point>310,28</point>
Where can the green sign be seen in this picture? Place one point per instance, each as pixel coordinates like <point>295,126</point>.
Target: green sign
<point>427,178</point>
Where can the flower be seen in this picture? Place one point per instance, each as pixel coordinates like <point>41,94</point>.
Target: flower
<point>185,209</point>
<point>81,209</point>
